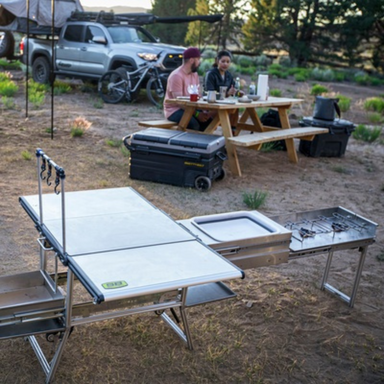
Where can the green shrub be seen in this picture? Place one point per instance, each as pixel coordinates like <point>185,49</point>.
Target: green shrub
<point>322,74</point>
<point>26,155</point>
<point>8,88</point>
<point>61,87</point>
<point>4,76</point>
<point>375,104</point>
<point>36,98</point>
<point>114,143</point>
<point>254,200</point>
<point>275,66</point>
<point>245,61</point>
<point>344,103</point>
<point>339,76</point>
<point>250,71</point>
<point>318,89</point>
<point>98,103</point>
<point>125,151</point>
<point>278,73</point>
<point>209,53</point>
<point>362,80</point>
<point>78,126</point>
<point>375,118</point>
<point>366,134</point>
<point>5,64</point>
<point>300,77</point>
<point>77,132</point>
<point>374,81</point>
<point>37,87</point>
<point>8,102</point>
<point>275,92</point>
<point>262,61</point>
<point>205,66</point>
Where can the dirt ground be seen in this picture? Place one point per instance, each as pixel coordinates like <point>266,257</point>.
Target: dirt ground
<point>281,328</point>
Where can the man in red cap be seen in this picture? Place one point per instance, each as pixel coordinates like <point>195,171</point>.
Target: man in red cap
<point>178,83</point>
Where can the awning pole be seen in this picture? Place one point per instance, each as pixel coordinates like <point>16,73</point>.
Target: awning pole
<point>27,73</point>
<point>52,77</point>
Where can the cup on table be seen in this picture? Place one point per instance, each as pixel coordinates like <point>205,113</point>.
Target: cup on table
<point>223,92</point>
<point>194,97</point>
<point>211,96</point>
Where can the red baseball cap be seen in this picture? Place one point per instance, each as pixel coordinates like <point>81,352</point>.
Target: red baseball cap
<point>191,53</point>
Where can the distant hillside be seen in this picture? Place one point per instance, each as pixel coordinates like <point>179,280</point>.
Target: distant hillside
<point>118,9</point>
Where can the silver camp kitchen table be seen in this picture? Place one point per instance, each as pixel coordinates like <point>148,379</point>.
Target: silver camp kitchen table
<point>130,256</point>
<point>251,240</point>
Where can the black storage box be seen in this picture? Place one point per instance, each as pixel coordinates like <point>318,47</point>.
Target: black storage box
<point>332,144</point>
<point>175,157</point>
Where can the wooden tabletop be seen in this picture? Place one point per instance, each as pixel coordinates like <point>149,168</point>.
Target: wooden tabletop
<point>271,102</point>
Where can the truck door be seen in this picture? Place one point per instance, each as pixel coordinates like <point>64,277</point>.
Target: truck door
<point>94,54</point>
<point>68,49</point>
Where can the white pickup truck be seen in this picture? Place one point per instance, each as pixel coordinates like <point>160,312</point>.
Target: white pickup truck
<point>89,45</point>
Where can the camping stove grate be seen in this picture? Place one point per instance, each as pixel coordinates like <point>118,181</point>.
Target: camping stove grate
<point>308,228</point>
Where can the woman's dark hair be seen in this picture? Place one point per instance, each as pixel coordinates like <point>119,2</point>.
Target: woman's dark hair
<point>220,55</point>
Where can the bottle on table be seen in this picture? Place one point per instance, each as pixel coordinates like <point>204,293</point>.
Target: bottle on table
<point>237,86</point>
<point>252,88</point>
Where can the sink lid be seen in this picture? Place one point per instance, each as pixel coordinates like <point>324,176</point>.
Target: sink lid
<point>225,227</point>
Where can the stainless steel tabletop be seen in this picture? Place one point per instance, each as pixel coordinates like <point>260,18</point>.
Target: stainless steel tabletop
<point>158,268</point>
<point>120,245</point>
<point>89,203</point>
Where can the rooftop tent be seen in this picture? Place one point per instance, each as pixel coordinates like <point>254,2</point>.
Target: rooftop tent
<point>15,13</point>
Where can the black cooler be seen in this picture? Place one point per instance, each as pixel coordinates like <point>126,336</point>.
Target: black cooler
<point>175,157</point>
<point>332,144</point>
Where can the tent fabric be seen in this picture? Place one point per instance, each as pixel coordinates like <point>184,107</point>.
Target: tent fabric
<point>40,10</point>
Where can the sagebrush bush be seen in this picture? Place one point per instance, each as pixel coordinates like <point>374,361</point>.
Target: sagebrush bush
<point>244,61</point>
<point>285,61</point>
<point>322,74</point>
<point>262,61</point>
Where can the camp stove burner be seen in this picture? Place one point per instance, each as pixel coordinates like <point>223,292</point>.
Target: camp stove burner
<point>339,227</point>
<point>331,224</point>
<point>304,232</point>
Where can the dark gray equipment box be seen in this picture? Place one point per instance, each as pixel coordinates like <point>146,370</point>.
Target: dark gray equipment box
<point>332,144</point>
<point>175,157</point>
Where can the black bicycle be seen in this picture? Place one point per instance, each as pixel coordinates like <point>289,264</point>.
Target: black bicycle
<point>118,84</point>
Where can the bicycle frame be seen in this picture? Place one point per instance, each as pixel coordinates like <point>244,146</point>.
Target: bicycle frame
<point>148,67</point>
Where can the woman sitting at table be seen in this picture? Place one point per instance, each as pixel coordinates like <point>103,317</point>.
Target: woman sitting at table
<point>219,76</point>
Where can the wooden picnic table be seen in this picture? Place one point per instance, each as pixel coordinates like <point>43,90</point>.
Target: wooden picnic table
<point>227,107</point>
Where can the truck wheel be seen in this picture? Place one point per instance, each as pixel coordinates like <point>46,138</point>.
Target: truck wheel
<point>112,86</point>
<point>203,183</point>
<point>7,44</point>
<point>155,91</point>
<point>41,71</point>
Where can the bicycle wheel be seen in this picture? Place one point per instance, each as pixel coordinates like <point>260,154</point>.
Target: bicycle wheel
<point>155,91</point>
<point>112,86</point>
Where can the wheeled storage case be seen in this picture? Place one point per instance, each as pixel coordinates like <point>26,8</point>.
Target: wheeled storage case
<point>332,144</point>
<point>175,157</point>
